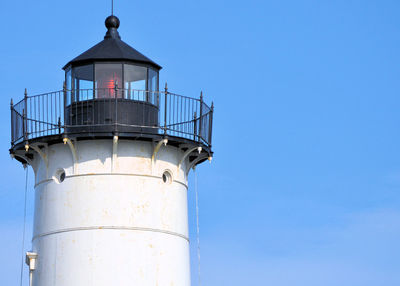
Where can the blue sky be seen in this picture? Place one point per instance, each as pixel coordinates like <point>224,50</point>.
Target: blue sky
<point>304,186</point>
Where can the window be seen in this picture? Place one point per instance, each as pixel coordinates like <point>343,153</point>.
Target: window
<point>135,82</point>
<point>68,84</point>
<point>153,80</point>
<point>107,77</point>
<point>152,86</point>
<point>83,83</point>
<point>59,176</point>
<point>167,177</point>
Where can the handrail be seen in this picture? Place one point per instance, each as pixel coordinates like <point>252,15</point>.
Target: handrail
<point>55,113</point>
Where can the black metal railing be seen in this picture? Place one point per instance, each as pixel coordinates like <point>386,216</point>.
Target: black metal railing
<point>154,112</point>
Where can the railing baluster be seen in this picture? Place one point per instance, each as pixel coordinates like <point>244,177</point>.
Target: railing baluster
<point>81,103</point>
<point>165,108</point>
<point>116,106</point>
<point>210,125</point>
<point>201,115</point>
<point>12,122</point>
<point>65,105</point>
<point>194,126</point>
<point>47,115</point>
<point>24,115</point>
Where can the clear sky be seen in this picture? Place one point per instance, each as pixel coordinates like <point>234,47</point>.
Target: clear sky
<point>304,188</point>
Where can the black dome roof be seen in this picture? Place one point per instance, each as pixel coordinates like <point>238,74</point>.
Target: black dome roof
<point>112,48</point>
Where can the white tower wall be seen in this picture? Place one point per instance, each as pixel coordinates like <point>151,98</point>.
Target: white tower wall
<point>113,220</point>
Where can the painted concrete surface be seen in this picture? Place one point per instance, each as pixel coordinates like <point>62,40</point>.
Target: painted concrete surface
<point>112,220</point>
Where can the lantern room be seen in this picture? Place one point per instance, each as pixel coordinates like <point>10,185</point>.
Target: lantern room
<point>111,82</point>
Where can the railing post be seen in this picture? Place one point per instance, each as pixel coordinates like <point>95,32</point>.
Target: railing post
<point>210,124</point>
<point>73,101</point>
<point>201,115</point>
<point>194,126</point>
<point>12,122</point>
<point>59,125</point>
<point>116,107</point>
<point>24,116</point>
<point>65,107</point>
<point>165,108</point>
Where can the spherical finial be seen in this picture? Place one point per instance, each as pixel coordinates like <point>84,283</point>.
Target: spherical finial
<point>112,22</point>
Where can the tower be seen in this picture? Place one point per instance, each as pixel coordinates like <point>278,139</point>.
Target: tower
<point>111,154</point>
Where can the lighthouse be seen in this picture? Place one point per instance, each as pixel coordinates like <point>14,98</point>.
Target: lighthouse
<point>111,152</point>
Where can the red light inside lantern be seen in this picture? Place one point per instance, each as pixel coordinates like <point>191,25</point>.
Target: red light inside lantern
<point>106,85</point>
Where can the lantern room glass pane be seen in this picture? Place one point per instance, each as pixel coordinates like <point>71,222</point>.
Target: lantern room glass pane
<point>135,82</point>
<point>68,79</point>
<point>108,76</point>
<point>153,86</point>
<point>153,80</point>
<point>68,85</point>
<point>83,82</point>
